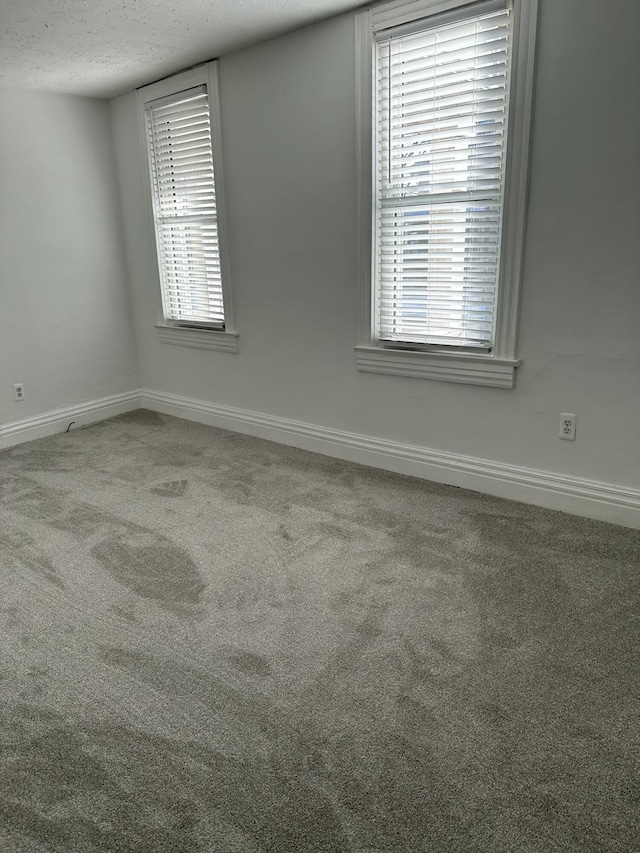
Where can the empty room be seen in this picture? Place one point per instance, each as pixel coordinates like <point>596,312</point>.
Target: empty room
<point>319,426</point>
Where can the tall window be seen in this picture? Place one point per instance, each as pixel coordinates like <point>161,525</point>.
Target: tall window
<point>184,204</point>
<point>444,267</point>
<point>180,126</point>
<point>441,134</point>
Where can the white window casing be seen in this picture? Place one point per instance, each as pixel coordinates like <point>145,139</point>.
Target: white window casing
<point>181,145</point>
<point>444,108</point>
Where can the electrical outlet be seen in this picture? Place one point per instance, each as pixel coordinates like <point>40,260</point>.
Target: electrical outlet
<point>568,427</point>
<point>18,391</point>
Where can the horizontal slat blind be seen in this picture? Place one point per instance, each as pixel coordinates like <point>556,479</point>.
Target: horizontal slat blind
<point>184,202</point>
<point>440,150</point>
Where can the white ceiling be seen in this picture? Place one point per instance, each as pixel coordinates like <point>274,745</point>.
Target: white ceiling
<point>103,48</point>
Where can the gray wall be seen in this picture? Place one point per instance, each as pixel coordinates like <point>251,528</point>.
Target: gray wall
<point>65,316</point>
<point>288,112</point>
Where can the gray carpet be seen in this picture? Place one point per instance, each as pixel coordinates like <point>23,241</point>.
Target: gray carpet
<point>214,643</point>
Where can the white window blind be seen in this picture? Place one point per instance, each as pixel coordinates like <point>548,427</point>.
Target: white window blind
<point>184,205</point>
<point>441,120</point>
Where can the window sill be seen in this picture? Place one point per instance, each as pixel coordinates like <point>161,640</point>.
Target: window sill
<point>466,368</point>
<point>198,338</point>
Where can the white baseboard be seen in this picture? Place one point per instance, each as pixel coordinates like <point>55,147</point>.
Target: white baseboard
<point>40,426</point>
<point>602,501</point>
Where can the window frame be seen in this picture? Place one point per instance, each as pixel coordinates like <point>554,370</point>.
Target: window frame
<point>498,367</point>
<point>170,331</point>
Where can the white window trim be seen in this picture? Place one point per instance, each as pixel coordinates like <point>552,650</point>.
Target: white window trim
<point>169,332</point>
<point>197,338</point>
<point>497,368</point>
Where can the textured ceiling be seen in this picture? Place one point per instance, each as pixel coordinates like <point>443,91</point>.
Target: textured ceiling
<point>105,47</point>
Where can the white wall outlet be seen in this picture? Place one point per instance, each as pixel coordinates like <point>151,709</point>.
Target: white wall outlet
<point>18,391</point>
<point>567,427</point>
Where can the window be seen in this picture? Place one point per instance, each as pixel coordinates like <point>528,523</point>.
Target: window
<point>445,90</point>
<point>181,140</point>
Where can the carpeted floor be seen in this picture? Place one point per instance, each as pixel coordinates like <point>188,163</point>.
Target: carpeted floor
<point>214,643</point>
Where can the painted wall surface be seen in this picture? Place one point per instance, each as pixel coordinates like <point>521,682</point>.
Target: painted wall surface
<point>288,113</point>
<point>65,315</point>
